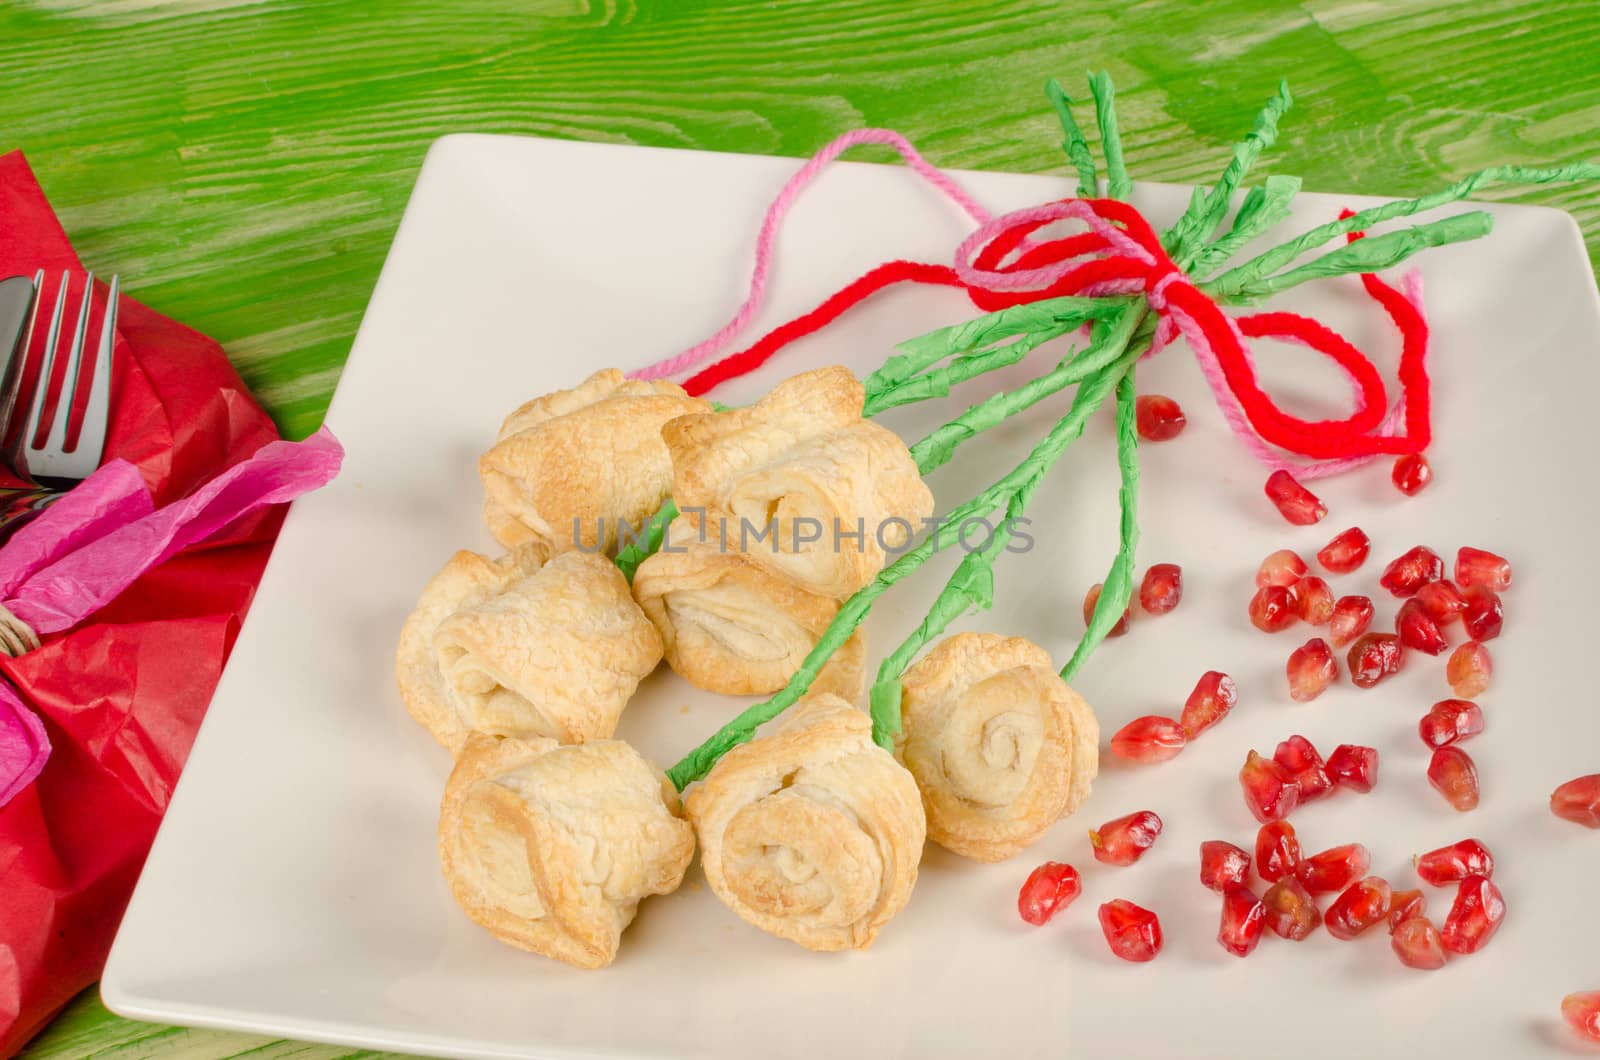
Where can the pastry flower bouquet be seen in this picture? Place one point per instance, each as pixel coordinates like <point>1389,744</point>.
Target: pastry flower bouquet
<point>552,831</point>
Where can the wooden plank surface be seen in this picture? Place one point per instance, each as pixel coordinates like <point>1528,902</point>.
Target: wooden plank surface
<point>243,163</point>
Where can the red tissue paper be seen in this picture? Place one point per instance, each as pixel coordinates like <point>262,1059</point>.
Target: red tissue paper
<point>121,694</point>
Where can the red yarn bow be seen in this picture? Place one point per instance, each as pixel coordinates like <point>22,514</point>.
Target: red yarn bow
<point>1121,253</point>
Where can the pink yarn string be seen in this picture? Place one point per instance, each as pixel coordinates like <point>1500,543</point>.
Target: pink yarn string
<point>1044,276</point>
<point>765,239</point>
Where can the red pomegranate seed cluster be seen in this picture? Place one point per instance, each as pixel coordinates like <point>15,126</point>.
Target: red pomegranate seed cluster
<point>1289,909</point>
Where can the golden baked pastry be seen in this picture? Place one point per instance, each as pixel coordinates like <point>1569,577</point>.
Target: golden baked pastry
<point>798,464</point>
<point>513,648</point>
<point>570,465</point>
<point>813,833</point>
<point>1000,746</point>
<point>730,625</point>
<point>551,847</point>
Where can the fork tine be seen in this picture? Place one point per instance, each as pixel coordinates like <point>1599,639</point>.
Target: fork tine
<point>57,442</point>
<point>97,411</point>
<point>41,390</point>
<point>15,371</point>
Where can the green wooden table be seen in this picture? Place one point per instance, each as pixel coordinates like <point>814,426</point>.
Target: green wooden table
<point>243,163</point>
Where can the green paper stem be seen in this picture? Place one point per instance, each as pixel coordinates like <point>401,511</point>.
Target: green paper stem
<point>1196,227</point>
<point>1118,184</point>
<point>1093,392</point>
<point>1073,143</point>
<point>1117,589</point>
<point>1263,207</point>
<point>1364,255</point>
<point>636,552</point>
<point>1276,258</point>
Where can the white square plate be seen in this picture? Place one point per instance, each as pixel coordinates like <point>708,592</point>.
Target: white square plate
<point>294,888</point>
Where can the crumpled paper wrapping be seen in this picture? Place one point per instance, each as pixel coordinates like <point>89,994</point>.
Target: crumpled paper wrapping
<point>119,696</point>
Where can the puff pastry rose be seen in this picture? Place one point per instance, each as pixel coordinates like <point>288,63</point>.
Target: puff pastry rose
<point>513,647</point>
<point>1000,746</point>
<point>730,625</point>
<point>813,833</point>
<point>803,460</point>
<point>569,466</point>
<point>551,847</point>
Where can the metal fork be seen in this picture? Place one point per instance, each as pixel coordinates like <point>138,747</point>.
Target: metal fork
<point>51,463</point>
<point>51,467</point>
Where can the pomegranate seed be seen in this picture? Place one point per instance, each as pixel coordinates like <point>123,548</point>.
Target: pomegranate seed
<point>1453,775</point>
<point>1048,889</point>
<point>1362,905</point>
<point>1222,865</point>
<point>1295,503</point>
<point>1582,1011</point>
<point>1312,599</point>
<point>1353,766</point>
<point>1302,762</point>
<point>1291,911</point>
<point>1243,919</point>
<point>1269,790</point>
<point>1311,669</point>
<point>1161,588</point>
<point>1124,840</point>
<point>1474,566</point>
<point>1469,670</point>
<point>1272,609</point>
<point>1133,932</point>
<point>1578,801</point>
<point>1092,598</point>
<point>1158,417</point>
<point>1417,629</point>
<point>1213,696</point>
<point>1417,943</point>
<point>1375,657</point>
<point>1454,863</point>
<point>1283,568</point>
<point>1333,869</point>
<point>1346,552</point>
<point>1484,614</point>
<point>1443,601</point>
<point>1450,720</point>
<point>1411,473</point>
<point>1148,739</point>
<point>1412,571</point>
<point>1405,905</point>
<point>1474,916</point>
<point>1277,850</point>
<point>1351,617</point>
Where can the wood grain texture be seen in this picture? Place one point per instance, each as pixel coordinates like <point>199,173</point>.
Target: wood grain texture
<point>243,163</point>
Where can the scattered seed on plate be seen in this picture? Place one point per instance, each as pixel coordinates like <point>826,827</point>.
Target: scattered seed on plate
<point>1450,720</point>
<point>1311,669</point>
<point>1161,589</point>
<point>1334,869</point>
<point>1474,916</point>
<point>1411,474</point>
<point>1411,571</point>
<point>1469,670</point>
<point>1132,931</point>
<point>1454,775</point>
<point>1294,502</point>
<point>1214,695</point>
<point>1353,766</point>
<point>1090,599</point>
<point>1269,791</point>
<point>1222,864</point>
<point>1149,739</point>
<point>1363,904</point>
<point>1474,566</point>
<point>1578,801</point>
<point>1454,863</point>
<point>1299,758</point>
<point>1244,918</point>
<point>1346,552</point>
<point>1158,418</point>
<point>1124,840</point>
<point>1048,889</point>
<point>1291,911</point>
<point>1350,618</point>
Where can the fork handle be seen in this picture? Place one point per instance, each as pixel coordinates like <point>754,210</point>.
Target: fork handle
<point>17,506</point>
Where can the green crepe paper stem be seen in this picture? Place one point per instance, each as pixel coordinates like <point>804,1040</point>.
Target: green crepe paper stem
<point>918,354</point>
<point>1279,256</point>
<point>1199,224</point>
<point>1364,255</point>
<point>1105,108</point>
<point>972,584</point>
<point>1092,393</point>
<point>1076,147</point>
<point>967,366</point>
<point>1117,589</point>
<point>936,449</point>
<point>1263,207</point>
<point>655,531</point>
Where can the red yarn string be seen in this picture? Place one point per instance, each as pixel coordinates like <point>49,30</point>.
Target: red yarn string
<point>1323,439</point>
